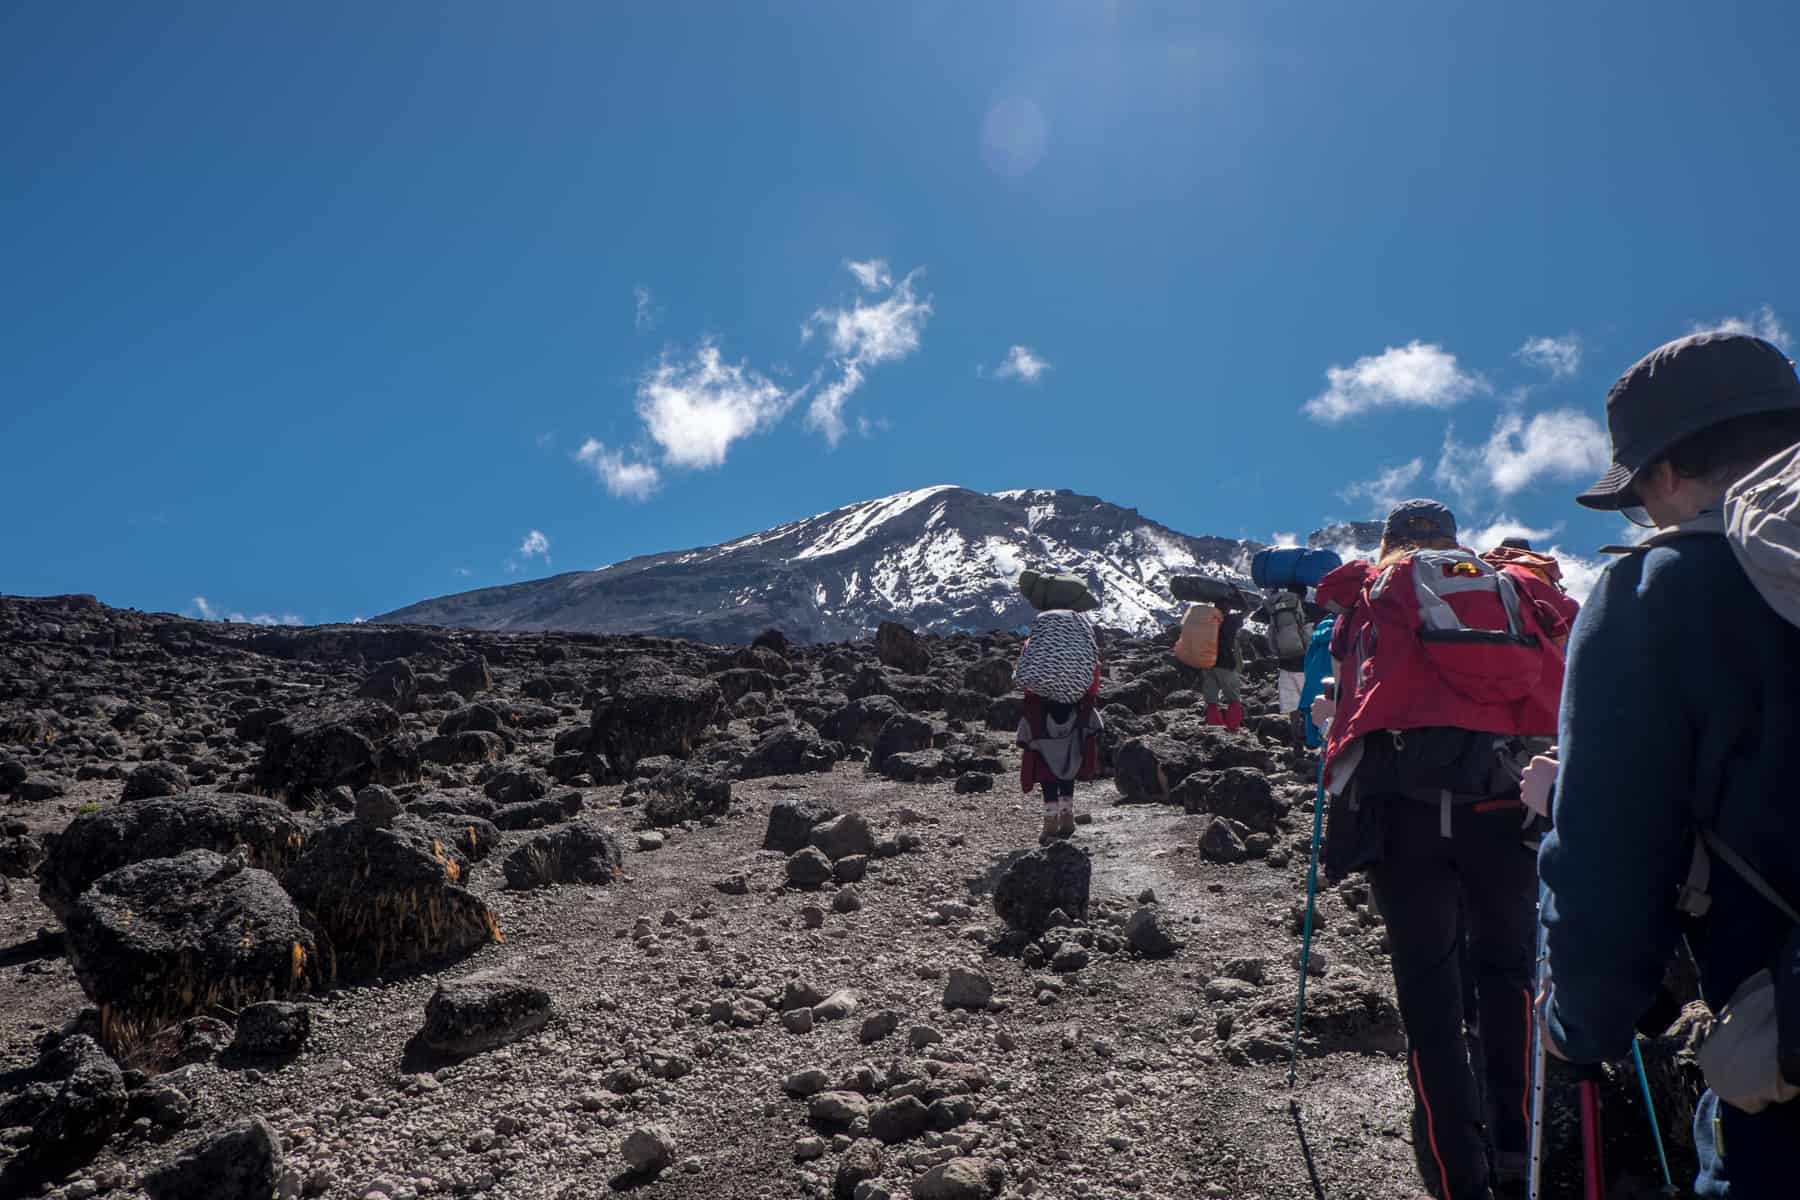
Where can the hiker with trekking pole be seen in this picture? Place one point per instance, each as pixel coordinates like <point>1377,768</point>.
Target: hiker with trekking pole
<point>1446,668</point>
<point>1674,778</point>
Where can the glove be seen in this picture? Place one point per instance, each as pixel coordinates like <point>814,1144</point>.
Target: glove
<point>1534,789</point>
<point>1323,710</point>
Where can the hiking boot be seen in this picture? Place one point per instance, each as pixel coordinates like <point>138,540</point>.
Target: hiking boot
<point>1215,715</point>
<point>1065,818</point>
<point>1234,716</point>
<point>1051,825</point>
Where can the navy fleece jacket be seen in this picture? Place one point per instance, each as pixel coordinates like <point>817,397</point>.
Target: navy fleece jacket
<point>1682,684</point>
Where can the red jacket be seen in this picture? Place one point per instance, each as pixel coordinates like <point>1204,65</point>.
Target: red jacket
<point>1403,689</point>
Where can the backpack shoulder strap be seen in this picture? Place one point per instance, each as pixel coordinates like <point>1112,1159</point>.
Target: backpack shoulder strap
<point>1694,897</point>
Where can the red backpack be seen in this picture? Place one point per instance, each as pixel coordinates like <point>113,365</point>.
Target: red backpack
<point>1473,625</point>
<point>1442,639</point>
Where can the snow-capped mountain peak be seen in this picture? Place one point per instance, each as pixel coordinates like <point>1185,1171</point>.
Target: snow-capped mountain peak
<point>942,558</point>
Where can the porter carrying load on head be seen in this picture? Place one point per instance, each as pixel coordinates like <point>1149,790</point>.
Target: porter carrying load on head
<point>1058,735</point>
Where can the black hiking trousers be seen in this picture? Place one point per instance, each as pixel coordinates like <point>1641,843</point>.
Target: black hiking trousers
<point>1432,890</point>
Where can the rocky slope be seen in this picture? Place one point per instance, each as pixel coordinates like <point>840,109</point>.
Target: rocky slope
<point>942,559</point>
<point>399,912</point>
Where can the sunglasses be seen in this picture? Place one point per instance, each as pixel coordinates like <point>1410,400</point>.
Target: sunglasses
<point>1638,515</point>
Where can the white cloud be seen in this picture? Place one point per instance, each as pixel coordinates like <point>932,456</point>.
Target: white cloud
<point>627,480</point>
<point>1021,364</point>
<point>1762,323</point>
<point>1488,536</point>
<point>862,336</point>
<point>642,317</point>
<point>464,572</point>
<point>1283,541</point>
<point>695,409</point>
<point>535,545</point>
<point>1561,356</point>
<point>873,275</point>
<point>1417,375</point>
<point>1559,444</point>
<point>1388,488</point>
<point>1579,575</point>
<point>207,611</point>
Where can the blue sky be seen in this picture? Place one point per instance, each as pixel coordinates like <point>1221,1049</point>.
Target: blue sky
<point>315,310</point>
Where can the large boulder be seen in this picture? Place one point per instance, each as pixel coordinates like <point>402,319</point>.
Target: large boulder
<point>860,721</point>
<point>902,649</point>
<point>393,683</point>
<point>654,714</point>
<point>476,718</point>
<point>153,779</point>
<point>100,842</point>
<point>842,837</point>
<point>161,940</point>
<point>345,745</point>
<point>1239,793</point>
<point>471,677</point>
<point>572,854</point>
<point>389,897</point>
<point>992,677</point>
<point>902,734</point>
<point>1056,876</point>
<point>917,766</point>
<point>482,1012</point>
<point>531,814</point>
<point>272,1029</point>
<point>1146,769</point>
<point>73,1103</point>
<point>790,750</point>
<point>241,1163</point>
<point>791,823</point>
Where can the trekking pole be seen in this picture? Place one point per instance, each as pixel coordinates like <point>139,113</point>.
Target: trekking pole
<point>1534,1189</point>
<point>1637,1056</point>
<point>1593,1168</point>
<point>1312,888</point>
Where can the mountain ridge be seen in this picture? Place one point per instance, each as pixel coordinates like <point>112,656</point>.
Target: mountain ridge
<point>942,558</point>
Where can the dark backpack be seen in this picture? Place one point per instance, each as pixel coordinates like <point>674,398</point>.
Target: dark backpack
<point>1045,591</point>
<point>1292,566</point>
<point>1287,627</point>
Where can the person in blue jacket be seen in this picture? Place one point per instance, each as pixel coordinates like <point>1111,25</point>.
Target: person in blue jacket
<point>1317,671</point>
<point>1682,695</point>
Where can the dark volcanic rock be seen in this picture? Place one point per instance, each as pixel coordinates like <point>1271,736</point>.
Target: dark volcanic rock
<point>529,814</point>
<point>652,715</point>
<point>899,1120</point>
<point>516,787</point>
<point>386,897</point>
<point>808,868</point>
<point>971,783</point>
<point>843,836</point>
<point>462,749</point>
<point>1240,793</point>
<point>393,683</point>
<point>272,1029</point>
<point>1149,934</point>
<point>20,855</point>
<point>789,750</point>
<point>99,842</point>
<point>155,779</point>
<point>791,824</point>
<point>1222,841</point>
<point>78,1103</point>
<point>345,745</point>
<point>1147,768</point>
<point>902,649</point>
<point>992,677</point>
<point>163,939</point>
<point>242,1163</point>
<point>1054,877</point>
<point>901,735</point>
<point>482,1012</point>
<point>478,718</point>
<point>918,766</point>
<point>573,854</point>
<point>860,721</point>
<point>471,677</point>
